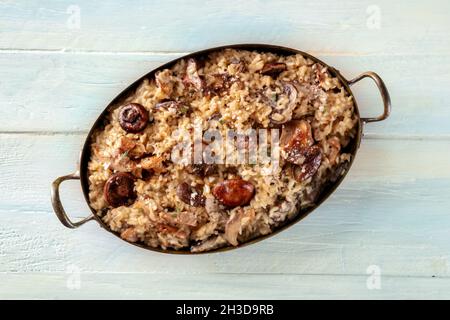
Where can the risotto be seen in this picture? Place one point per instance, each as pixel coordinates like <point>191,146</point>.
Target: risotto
<point>216,151</point>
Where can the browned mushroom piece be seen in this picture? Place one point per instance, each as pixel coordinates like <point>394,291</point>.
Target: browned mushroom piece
<point>283,113</point>
<point>313,159</point>
<point>119,189</point>
<point>192,77</point>
<point>133,117</point>
<point>234,192</point>
<point>295,140</point>
<point>191,196</point>
<point>273,69</point>
<point>222,84</point>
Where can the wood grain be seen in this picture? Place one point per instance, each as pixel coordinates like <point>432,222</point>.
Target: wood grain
<point>391,211</point>
<point>415,27</point>
<point>67,92</point>
<point>387,213</point>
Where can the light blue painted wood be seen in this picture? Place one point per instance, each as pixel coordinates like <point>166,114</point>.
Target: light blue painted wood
<point>213,286</point>
<point>391,211</point>
<point>347,27</point>
<point>66,92</point>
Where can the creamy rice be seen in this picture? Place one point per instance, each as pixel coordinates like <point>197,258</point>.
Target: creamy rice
<point>229,89</point>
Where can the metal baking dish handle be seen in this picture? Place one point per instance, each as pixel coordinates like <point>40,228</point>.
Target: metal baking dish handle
<point>384,94</point>
<point>58,207</point>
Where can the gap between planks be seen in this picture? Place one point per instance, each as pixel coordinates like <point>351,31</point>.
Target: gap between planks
<point>182,53</point>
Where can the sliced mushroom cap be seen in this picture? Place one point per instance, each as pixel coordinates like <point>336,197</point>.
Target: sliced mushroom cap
<point>234,192</point>
<point>283,113</point>
<point>119,189</point>
<point>191,196</point>
<point>192,77</point>
<point>312,160</point>
<point>273,69</point>
<point>296,138</point>
<point>133,117</point>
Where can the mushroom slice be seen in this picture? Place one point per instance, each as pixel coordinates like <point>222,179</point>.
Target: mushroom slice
<point>192,77</point>
<point>191,196</point>
<point>273,69</point>
<point>133,117</point>
<point>283,113</point>
<point>153,163</point>
<point>312,160</point>
<point>296,138</point>
<point>234,192</point>
<point>119,189</point>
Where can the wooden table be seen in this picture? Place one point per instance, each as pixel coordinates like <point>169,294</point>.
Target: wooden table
<point>385,233</point>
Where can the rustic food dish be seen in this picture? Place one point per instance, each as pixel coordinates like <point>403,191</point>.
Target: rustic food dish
<point>140,190</point>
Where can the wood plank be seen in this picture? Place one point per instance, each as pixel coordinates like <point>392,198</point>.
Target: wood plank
<point>350,27</point>
<point>391,211</point>
<point>66,92</point>
<point>214,286</point>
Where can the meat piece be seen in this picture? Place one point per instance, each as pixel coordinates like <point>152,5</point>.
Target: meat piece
<point>133,117</point>
<point>119,189</point>
<point>163,81</point>
<point>191,196</point>
<point>273,69</point>
<point>187,218</point>
<point>283,113</point>
<point>153,163</point>
<point>133,149</point>
<point>125,145</point>
<point>234,192</point>
<point>166,228</point>
<point>129,235</point>
<point>211,205</point>
<point>192,77</point>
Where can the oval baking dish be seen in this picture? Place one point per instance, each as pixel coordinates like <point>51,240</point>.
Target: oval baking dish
<point>82,172</point>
